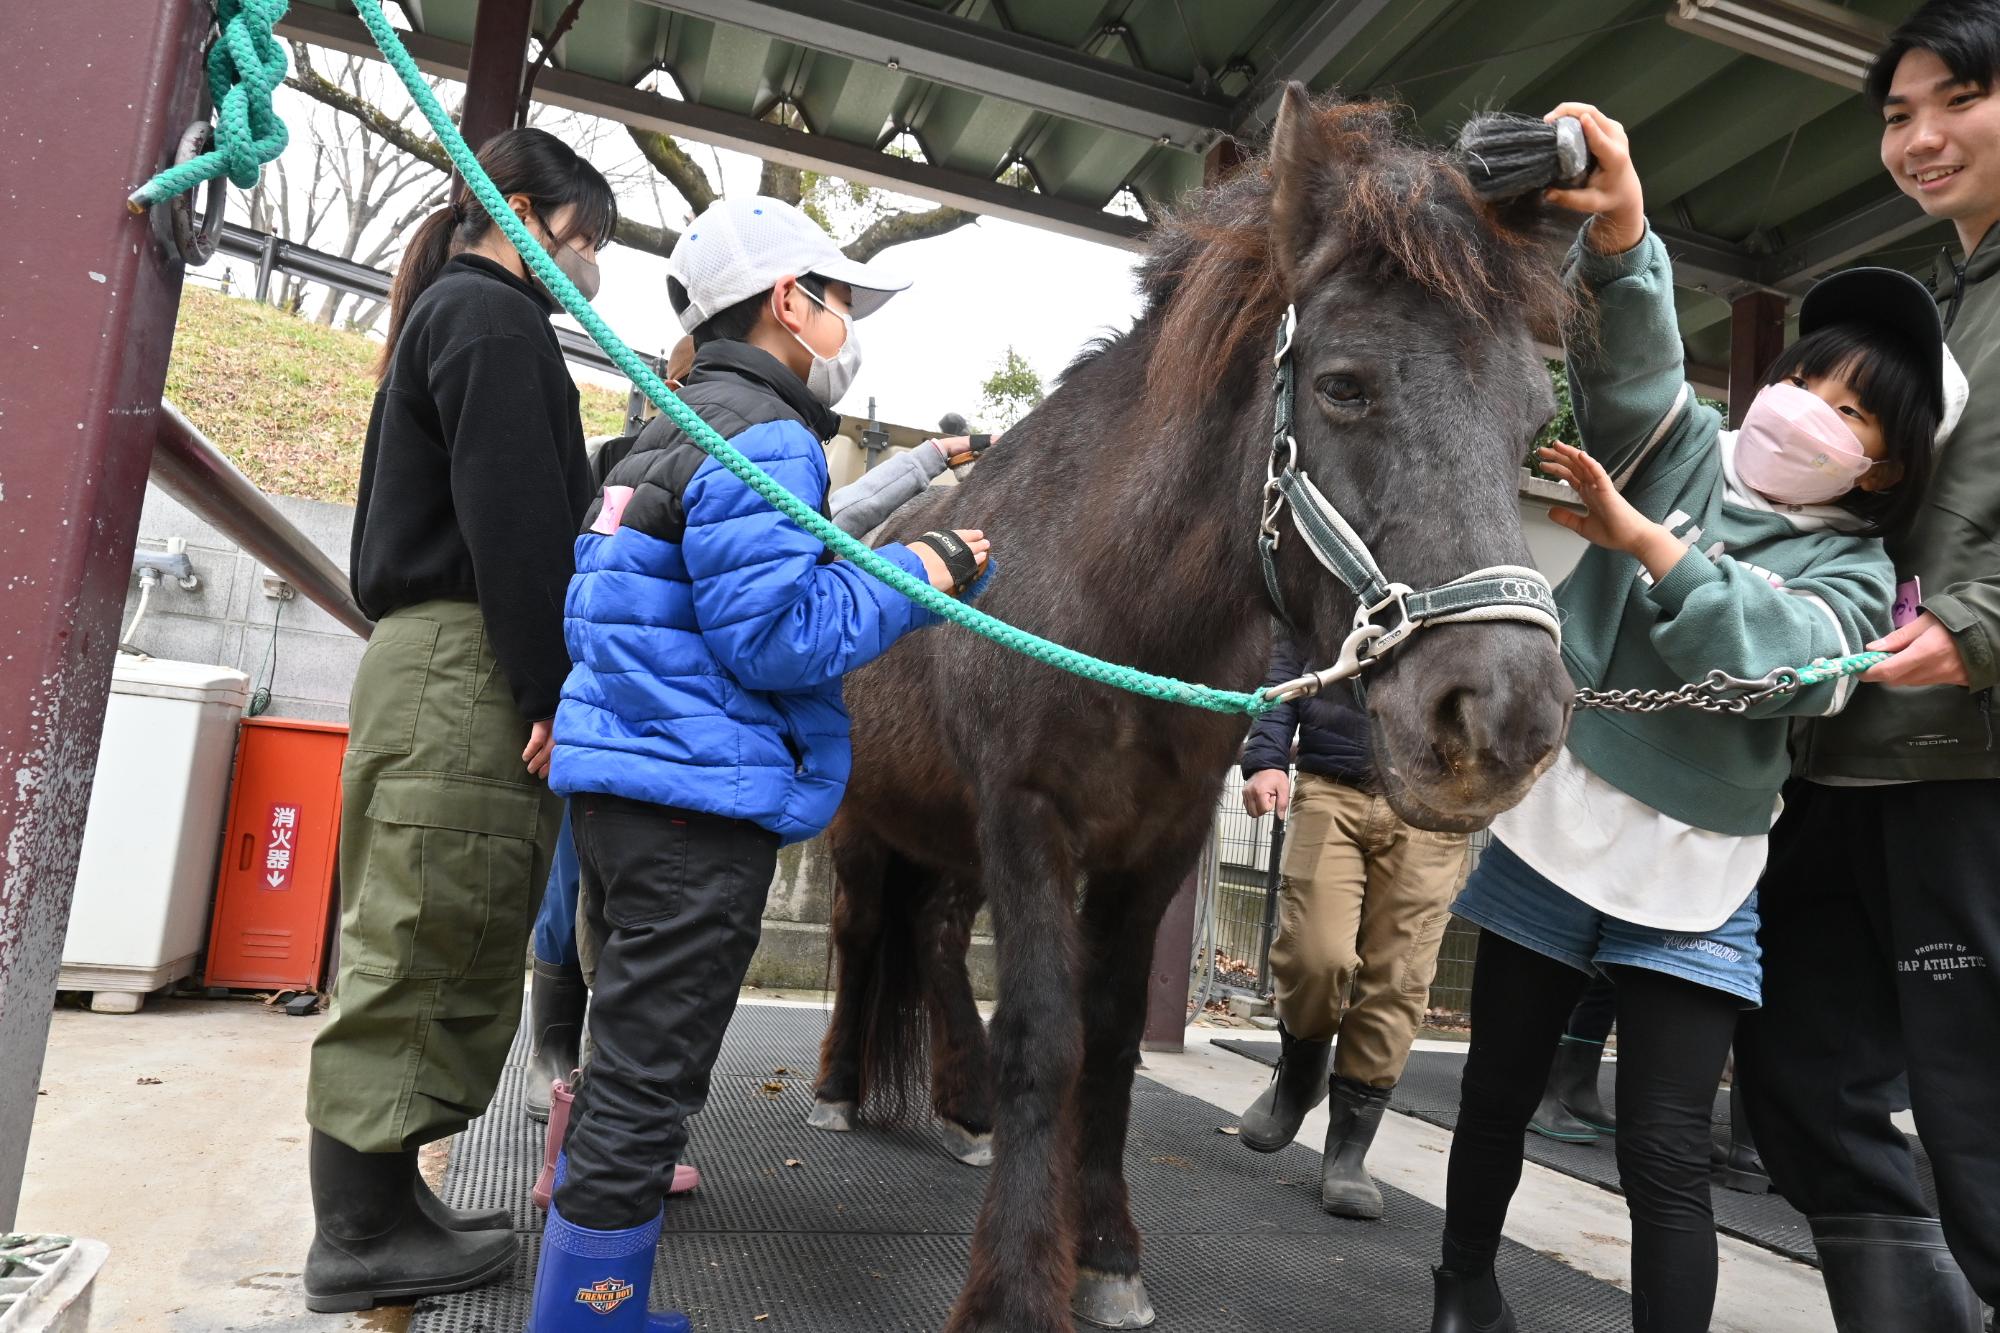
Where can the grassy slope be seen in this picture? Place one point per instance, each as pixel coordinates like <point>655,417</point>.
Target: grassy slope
<point>287,399</point>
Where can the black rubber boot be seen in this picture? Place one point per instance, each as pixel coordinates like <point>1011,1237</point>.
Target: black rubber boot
<point>1735,1162</point>
<point>1893,1273</point>
<point>556,998</point>
<point>1345,1188</point>
<point>1573,1079</point>
<point>1459,1300</point>
<point>1552,1119</point>
<point>458,1219</point>
<point>1298,1085</point>
<point>373,1243</point>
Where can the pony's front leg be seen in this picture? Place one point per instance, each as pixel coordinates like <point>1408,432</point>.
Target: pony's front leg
<point>1023,1246</point>
<point>1120,918</point>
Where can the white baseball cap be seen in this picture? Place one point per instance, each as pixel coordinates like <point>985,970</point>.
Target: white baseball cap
<point>740,247</point>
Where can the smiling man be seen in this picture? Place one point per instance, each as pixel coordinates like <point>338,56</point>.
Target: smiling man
<point>1881,901</point>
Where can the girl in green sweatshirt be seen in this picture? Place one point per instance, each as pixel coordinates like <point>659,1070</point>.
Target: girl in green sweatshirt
<point>1637,854</point>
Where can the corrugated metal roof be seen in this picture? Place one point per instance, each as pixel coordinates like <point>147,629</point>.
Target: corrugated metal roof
<point>1744,160</point>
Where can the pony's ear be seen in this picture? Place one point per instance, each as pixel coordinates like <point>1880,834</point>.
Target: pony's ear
<point>1298,156</point>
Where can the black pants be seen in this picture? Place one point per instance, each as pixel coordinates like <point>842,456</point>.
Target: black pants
<point>1881,909</point>
<point>1673,1038</point>
<point>683,898</point>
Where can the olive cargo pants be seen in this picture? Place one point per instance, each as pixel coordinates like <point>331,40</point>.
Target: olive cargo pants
<point>1362,907</point>
<point>445,841</point>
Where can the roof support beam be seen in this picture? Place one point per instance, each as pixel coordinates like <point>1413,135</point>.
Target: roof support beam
<point>1864,231</point>
<point>1322,36</point>
<point>1709,264</point>
<point>744,134</point>
<point>493,80</point>
<point>944,48</point>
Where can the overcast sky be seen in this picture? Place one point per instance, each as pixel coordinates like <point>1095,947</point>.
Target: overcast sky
<point>974,292</point>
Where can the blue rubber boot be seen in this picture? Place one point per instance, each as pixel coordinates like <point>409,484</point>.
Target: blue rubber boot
<point>597,1280</point>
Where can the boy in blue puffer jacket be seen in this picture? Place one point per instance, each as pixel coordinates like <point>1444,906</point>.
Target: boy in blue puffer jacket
<point>702,726</point>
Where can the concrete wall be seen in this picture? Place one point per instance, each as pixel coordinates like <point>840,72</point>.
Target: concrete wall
<point>228,620</point>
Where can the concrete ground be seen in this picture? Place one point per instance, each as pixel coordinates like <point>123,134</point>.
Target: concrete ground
<point>177,1136</point>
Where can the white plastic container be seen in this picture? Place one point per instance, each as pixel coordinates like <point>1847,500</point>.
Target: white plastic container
<point>147,870</point>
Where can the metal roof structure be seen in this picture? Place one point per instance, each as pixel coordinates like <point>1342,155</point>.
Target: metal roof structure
<point>1085,115</point>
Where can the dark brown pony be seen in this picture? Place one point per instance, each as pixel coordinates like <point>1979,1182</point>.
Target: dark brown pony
<point>1124,513</point>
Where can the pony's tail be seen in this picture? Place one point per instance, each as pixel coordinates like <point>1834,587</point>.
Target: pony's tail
<point>895,1029</point>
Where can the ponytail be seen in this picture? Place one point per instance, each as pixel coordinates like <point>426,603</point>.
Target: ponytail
<point>435,242</point>
<point>523,161</point>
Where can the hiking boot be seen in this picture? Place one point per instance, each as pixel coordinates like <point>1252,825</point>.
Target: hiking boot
<point>1468,1304</point>
<point>1345,1188</point>
<point>1893,1272</point>
<point>1735,1162</point>
<point>1297,1085</point>
<point>556,999</point>
<point>373,1243</point>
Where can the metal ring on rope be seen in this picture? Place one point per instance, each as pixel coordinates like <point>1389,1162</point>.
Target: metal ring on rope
<point>195,241</point>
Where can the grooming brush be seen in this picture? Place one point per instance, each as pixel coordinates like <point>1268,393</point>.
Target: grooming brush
<point>1506,156</point>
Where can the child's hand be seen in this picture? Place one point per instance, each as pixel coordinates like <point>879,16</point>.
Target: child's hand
<point>1612,521</point>
<point>934,566</point>
<point>1613,193</point>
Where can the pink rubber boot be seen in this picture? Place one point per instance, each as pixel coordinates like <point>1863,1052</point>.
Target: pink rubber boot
<point>686,1178</point>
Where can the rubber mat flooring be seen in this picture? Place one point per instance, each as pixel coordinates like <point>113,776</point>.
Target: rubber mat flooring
<point>1429,1091</point>
<point>869,1232</point>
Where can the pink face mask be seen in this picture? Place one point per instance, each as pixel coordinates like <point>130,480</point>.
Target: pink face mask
<point>1795,449</point>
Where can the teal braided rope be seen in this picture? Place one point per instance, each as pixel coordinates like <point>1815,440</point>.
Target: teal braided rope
<point>950,608</point>
<point>245,66</point>
<point>1822,669</point>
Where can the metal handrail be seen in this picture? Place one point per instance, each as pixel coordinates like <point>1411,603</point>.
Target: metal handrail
<point>275,254</point>
<point>188,466</point>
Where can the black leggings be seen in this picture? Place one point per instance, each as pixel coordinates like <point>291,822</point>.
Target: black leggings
<point>1673,1037</point>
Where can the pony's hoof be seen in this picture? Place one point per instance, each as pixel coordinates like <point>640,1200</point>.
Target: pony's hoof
<point>967,1147</point>
<point>1110,1301</point>
<point>833,1117</point>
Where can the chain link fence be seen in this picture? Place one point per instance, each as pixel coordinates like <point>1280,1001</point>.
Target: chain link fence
<point>1237,917</point>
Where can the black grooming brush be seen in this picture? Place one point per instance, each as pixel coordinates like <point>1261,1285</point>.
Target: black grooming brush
<point>1506,156</point>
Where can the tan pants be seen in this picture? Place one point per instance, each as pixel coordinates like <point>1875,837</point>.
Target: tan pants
<point>1361,910</point>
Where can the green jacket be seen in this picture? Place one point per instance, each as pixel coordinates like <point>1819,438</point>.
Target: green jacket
<point>1943,732</point>
<point>1759,588</point>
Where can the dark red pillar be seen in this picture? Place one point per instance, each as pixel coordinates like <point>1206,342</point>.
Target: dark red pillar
<point>93,106</point>
<point>1225,157</point>
<point>494,71</point>
<point>1756,336</point>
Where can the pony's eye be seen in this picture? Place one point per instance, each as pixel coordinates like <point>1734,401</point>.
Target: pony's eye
<point>1342,389</point>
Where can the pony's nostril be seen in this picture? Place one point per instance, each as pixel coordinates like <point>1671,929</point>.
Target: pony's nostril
<point>1452,725</point>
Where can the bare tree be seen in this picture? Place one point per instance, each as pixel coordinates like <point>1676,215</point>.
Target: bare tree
<point>363,192</point>
<point>871,221</point>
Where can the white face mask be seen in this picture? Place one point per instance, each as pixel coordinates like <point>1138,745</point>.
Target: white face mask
<point>832,376</point>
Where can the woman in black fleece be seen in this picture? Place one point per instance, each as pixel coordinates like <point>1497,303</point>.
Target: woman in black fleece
<point>473,484</point>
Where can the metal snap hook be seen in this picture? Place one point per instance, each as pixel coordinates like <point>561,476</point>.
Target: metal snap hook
<point>1287,326</point>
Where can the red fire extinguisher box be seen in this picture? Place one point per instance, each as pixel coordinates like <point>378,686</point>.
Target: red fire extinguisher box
<point>274,895</point>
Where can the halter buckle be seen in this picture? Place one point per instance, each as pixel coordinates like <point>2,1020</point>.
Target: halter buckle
<point>1388,636</point>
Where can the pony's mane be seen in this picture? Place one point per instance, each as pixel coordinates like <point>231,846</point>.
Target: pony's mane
<point>1387,202</point>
